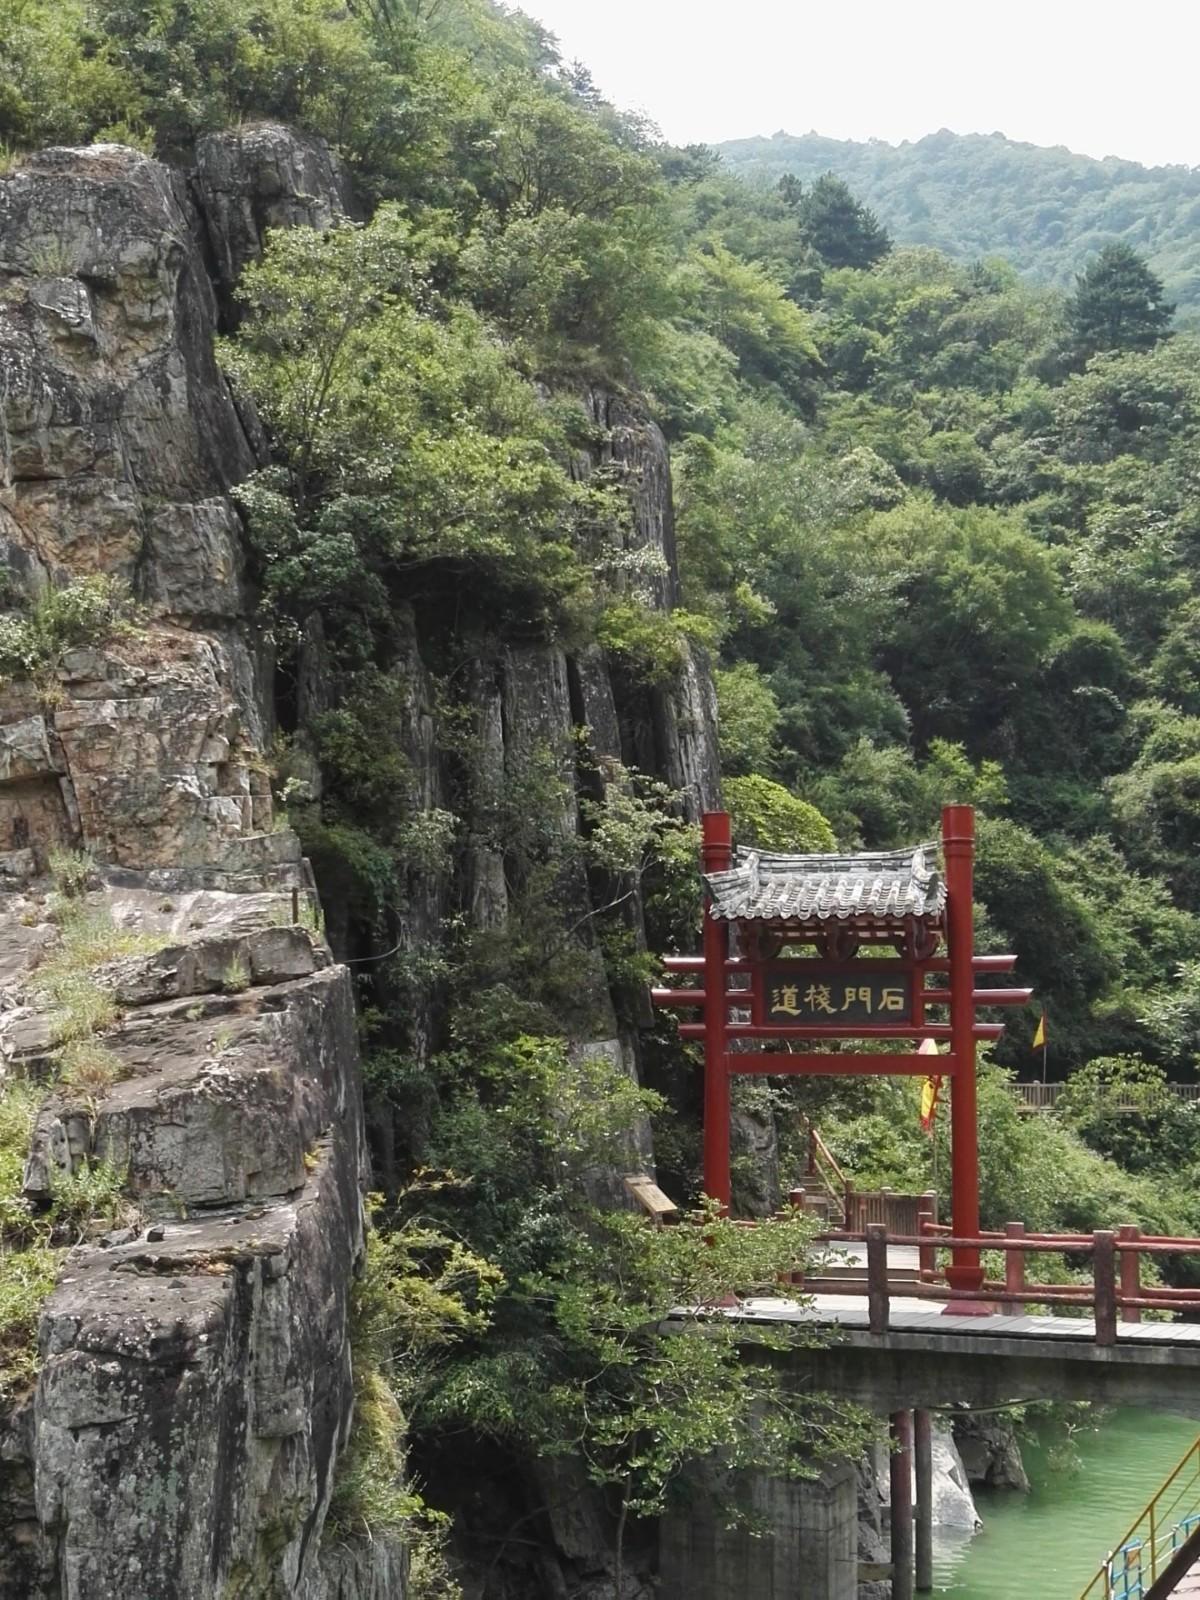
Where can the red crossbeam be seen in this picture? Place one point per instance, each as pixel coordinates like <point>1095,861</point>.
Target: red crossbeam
<point>856,1030</point>
<point>684,999</point>
<point>981,997</point>
<point>869,964</point>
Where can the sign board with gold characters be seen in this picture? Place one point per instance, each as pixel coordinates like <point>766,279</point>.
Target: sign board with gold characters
<point>805,994</point>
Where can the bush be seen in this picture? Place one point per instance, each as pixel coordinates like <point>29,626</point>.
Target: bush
<point>767,815</point>
<point>88,611</point>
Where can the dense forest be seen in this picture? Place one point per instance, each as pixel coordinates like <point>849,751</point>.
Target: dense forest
<point>976,195</point>
<point>939,533</point>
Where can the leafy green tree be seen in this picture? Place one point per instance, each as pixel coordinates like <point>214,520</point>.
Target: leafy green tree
<point>1056,935</point>
<point>749,719</point>
<point>748,310</point>
<point>1118,304</point>
<point>1120,1106</point>
<point>666,1399</point>
<point>407,439</point>
<point>58,84</point>
<point>974,606</point>
<point>766,815</point>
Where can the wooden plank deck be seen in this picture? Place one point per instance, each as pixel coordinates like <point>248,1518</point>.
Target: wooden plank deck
<point>908,1315</point>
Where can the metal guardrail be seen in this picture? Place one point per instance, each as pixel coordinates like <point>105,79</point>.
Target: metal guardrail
<point>1166,1522</point>
<point>1044,1096</point>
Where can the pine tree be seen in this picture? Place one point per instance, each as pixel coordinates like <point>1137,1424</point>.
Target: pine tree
<point>842,231</point>
<point>1118,305</point>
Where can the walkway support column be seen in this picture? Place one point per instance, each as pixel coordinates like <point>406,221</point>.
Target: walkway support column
<point>716,856</point>
<point>923,1459</point>
<point>958,844</point>
<point>901,1475</point>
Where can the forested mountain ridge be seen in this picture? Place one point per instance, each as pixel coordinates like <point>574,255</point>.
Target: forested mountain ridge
<point>1045,209</point>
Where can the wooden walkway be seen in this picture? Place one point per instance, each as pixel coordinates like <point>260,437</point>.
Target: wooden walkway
<point>915,1316</point>
<point>907,1314</point>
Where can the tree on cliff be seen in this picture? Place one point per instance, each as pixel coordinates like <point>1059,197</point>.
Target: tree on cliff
<point>1118,304</point>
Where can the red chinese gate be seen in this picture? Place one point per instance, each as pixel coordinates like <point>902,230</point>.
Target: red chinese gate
<point>896,901</point>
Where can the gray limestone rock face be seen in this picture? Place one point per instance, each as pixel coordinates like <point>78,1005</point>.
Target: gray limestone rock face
<point>678,741</point>
<point>249,180</point>
<point>357,1569</point>
<point>193,1394</point>
<point>195,1387</point>
<point>215,1111</point>
<point>754,1148</point>
<point>119,439</point>
<point>119,446</point>
<point>990,1451</point>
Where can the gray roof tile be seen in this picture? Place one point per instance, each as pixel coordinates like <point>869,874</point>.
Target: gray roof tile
<point>885,886</point>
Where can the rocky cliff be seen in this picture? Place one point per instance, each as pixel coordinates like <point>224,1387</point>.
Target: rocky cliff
<point>194,1392</point>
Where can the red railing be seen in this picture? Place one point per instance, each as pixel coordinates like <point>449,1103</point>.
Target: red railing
<point>1115,1294</point>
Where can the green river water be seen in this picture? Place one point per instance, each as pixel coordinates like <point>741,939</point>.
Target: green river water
<point>1046,1545</point>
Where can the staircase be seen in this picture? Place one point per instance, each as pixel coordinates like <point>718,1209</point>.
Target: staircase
<point>823,1188</point>
<point>1160,1553</point>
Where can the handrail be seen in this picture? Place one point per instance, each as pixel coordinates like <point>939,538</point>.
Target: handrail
<point>1116,1293</point>
<point>1147,1097</point>
<point>819,1151</point>
<point>1155,1534</point>
<point>902,1213</point>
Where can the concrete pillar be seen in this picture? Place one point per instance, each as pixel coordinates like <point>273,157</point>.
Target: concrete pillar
<point>923,1459</point>
<point>809,1551</point>
<point>901,1465</point>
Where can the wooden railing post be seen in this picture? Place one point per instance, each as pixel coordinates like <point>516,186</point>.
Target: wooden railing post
<point>1104,1272</point>
<point>1130,1272</point>
<point>926,1253</point>
<point>812,1151</point>
<point>1014,1267</point>
<point>877,1277</point>
<point>848,1207</point>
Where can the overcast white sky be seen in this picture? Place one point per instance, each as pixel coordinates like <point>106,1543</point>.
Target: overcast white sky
<point>1099,77</point>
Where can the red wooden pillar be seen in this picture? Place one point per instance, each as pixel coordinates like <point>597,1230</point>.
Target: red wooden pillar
<point>958,843</point>
<point>716,853</point>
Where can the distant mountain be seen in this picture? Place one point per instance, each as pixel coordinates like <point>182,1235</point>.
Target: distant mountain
<point>1045,210</point>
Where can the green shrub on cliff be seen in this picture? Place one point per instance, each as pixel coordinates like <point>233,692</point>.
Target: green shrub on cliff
<point>86,611</point>
<point>414,451</point>
<point>766,815</point>
<point>27,1265</point>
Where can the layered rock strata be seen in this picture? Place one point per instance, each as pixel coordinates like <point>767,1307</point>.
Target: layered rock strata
<point>195,1386</point>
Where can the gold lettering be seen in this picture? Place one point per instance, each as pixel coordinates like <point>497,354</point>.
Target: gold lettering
<point>818,998</point>
<point>784,999</point>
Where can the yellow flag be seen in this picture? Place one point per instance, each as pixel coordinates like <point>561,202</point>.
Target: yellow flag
<point>929,1099</point>
<point>1039,1038</point>
<point>930,1087</point>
